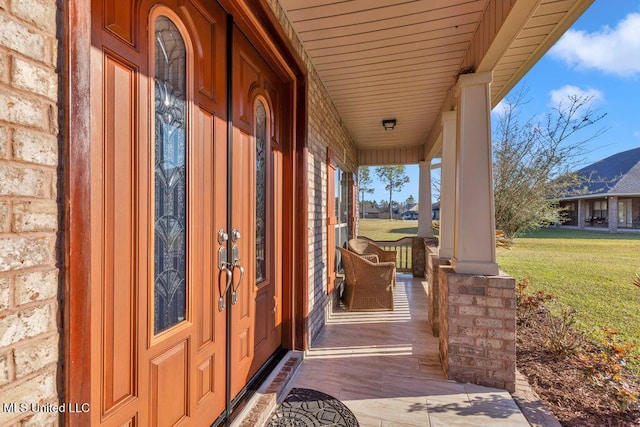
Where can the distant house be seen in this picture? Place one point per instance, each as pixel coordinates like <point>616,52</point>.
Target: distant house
<point>435,211</point>
<point>371,211</point>
<point>612,197</point>
<point>412,212</point>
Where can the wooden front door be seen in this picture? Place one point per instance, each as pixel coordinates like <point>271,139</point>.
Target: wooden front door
<point>256,203</point>
<point>163,314</point>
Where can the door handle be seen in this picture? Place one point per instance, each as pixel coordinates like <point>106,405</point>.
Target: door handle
<point>234,291</point>
<point>235,261</point>
<point>223,266</point>
<point>221,301</point>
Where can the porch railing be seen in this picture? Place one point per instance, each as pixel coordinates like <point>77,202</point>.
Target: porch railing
<point>402,246</point>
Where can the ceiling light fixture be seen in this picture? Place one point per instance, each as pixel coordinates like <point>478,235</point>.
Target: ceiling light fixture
<point>389,124</point>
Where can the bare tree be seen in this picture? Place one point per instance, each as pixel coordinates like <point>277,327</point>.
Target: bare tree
<point>533,161</point>
<point>395,178</point>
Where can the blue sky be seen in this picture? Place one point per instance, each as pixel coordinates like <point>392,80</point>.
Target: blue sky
<point>599,56</point>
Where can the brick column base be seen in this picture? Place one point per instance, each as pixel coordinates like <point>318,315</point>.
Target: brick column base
<point>420,253</point>
<point>478,328</point>
<point>418,256</point>
<point>433,264</point>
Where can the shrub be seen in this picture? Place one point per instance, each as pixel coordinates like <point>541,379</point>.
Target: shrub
<point>561,336</point>
<point>605,366</point>
<point>528,305</point>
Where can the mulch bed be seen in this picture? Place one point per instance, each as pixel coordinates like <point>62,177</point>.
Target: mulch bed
<point>563,385</point>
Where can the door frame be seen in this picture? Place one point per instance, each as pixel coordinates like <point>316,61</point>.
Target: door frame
<point>81,235</point>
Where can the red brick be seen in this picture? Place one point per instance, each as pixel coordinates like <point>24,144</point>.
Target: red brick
<point>461,299</point>
<point>468,332</point>
<point>501,334</point>
<point>501,313</point>
<point>490,343</point>
<point>466,310</point>
<point>469,341</point>
<point>490,323</point>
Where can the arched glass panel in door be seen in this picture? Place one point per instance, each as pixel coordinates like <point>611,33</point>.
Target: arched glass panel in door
<point>170,216</point>
<point>261,190</point>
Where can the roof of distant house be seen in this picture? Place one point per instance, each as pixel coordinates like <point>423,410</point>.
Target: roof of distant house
<point>617,174</point>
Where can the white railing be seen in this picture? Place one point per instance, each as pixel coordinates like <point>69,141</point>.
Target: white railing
<point>403,248</point>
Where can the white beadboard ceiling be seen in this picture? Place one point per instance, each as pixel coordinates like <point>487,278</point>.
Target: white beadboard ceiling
<point>398,59</point>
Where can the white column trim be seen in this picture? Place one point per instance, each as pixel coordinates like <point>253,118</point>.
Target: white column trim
<point>580,214</point>
<point>474,249</point>
<point>447,185</point>
<point>425,226</point>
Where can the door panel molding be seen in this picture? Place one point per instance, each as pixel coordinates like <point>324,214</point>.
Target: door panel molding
<point>169,397</point>
<point>119,320</point>
<point>119,20</point>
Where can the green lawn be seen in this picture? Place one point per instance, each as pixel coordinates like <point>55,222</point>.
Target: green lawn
<point>386,229</point>
<point>591,272</point>
<point>391,230</point>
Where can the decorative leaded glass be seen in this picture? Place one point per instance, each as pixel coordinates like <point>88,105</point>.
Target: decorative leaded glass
<point>170,200</point>
<point>261,190</point>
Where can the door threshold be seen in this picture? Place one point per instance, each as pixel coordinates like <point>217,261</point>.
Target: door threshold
<point>266,398</point>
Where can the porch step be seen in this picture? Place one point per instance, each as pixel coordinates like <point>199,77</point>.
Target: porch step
<point>532,407</point>
<point>264,401</point>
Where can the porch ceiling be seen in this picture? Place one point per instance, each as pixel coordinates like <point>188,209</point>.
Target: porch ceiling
<point>399,59</point>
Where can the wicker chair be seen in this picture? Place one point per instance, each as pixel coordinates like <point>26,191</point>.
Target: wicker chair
<point>365,247</point>
<point>368,285</point>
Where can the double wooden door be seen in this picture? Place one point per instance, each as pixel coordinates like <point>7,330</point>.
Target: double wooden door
<point>188,160</point>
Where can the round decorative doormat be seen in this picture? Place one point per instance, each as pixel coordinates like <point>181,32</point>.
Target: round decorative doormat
<point>305,407</point>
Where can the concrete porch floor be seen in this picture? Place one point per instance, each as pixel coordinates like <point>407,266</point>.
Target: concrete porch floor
<point>384,366</point>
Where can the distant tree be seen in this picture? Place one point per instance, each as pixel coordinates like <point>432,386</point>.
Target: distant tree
<point>435,188</point>
<point>533,161</point>
<point>364,185</point>
<point>394,178</point>
<point>410,201</point>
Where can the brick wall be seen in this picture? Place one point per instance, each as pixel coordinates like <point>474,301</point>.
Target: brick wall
<point>325,129</point>
<point>433,267</point>
<point>477,328</point>
<point>29,209</point>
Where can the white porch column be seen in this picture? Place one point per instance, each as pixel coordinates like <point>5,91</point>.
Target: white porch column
<point>447,185</point>
<point>474,247</point>
<point>580,214</point>
<point>425,226</point>
<point>612,214</point>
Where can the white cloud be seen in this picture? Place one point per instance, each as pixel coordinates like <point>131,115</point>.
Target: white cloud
<point>613,51</point>
<point>562,95</point>
<point>636,134</point>
<point>500,108</point>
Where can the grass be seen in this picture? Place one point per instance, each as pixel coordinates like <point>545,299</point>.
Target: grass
<point>390,230</point>
<point>386,229</point>
<point>590,272</point>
